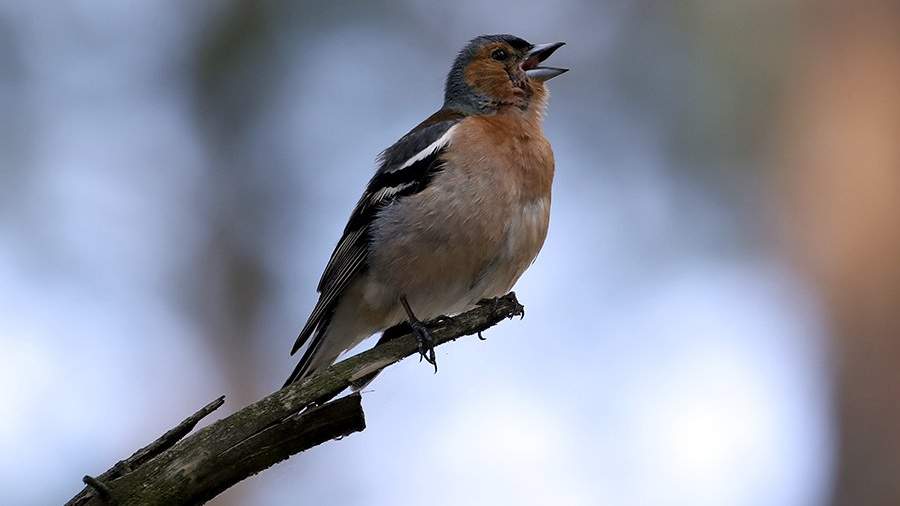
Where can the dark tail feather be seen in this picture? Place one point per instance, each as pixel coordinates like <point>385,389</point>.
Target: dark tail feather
<point>295,375</point>
<point>313,323</point>
<point>401,329</point>
<point>302,368</point>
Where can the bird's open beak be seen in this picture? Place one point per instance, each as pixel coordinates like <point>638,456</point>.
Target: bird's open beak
<point>539,53</point>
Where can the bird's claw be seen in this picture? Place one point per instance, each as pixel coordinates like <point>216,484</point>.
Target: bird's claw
<point>425,342</point>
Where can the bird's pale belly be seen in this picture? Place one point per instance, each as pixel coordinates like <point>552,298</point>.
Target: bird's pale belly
<point>460,256</point>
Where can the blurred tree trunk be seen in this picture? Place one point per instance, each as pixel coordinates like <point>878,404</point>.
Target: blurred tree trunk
<point>229,274</point>
<point>840,166</point>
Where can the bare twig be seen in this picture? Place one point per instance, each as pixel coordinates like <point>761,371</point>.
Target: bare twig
<point>98,485</point>
<point>193,470</point>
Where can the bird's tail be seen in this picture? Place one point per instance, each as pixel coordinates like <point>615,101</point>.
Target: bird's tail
<point>390,334</point>
<point>337,332</point>
<point>316,355</point>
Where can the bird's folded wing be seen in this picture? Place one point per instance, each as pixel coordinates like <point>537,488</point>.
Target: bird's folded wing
<point>405,169</point>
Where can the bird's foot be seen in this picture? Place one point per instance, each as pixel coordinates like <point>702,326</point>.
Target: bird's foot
<point>425,342</point>
<point>423,336</point>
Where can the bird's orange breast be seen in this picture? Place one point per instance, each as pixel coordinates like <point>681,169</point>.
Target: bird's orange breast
<point>508,165</point>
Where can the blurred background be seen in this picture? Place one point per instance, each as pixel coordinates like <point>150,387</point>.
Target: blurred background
<point>713,319</point>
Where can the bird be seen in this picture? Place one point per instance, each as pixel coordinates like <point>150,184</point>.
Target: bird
<point>456,211</point>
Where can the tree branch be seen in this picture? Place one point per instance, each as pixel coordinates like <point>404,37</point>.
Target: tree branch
<point>122,467</point>
<point>172,470</point>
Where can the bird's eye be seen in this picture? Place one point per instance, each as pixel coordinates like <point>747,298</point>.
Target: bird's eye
<point>499,54</point>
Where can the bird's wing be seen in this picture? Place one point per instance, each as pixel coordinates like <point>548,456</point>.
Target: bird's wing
<point>405,168</point>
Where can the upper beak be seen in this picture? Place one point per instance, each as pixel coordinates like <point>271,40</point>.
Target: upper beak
<point>538,54</point>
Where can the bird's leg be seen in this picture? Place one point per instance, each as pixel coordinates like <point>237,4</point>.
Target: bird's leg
<point>423,335</point>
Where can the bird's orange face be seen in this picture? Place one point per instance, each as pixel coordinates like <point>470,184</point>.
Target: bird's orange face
<point>509,75</point>
<point>496,71</point>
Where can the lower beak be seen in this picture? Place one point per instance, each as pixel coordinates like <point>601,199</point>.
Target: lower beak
<point>539,53</point>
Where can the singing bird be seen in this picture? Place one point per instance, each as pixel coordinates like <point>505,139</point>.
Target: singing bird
<point>456,211</point>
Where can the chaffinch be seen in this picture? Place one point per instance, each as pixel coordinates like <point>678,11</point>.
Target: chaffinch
<point>455,213</point>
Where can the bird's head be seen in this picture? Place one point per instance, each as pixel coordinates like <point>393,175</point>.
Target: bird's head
<point>496,71</point>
